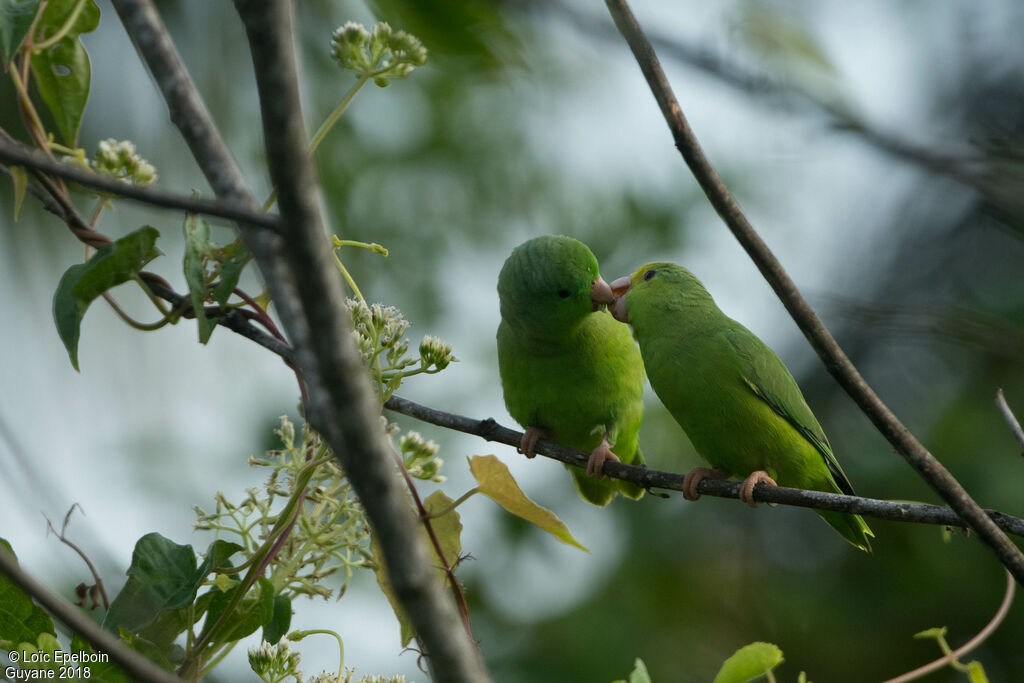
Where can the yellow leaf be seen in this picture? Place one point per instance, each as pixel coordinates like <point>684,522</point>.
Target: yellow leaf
<point>448,529</point>
<point>20,178</point>
<point>496,483</point>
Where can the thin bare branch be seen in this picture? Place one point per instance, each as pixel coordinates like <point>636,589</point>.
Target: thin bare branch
<point>134,664</point>
<point>1010,418</point>
<point>835,360</point>
<point>647,478</point>
<point>17,154</point>
<point>81,553</point>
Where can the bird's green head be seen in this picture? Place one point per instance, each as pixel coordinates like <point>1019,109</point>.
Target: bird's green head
<point>546,284</point>
<point>657,286</point>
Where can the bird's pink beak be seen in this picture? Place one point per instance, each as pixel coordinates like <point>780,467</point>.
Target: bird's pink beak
<point>619,290</point>
<point>601,293</point>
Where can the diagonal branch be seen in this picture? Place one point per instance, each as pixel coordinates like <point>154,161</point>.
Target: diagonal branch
<point>342,405</point>
<point>307,293</point>
<point>653,479</point>
<point>835,360</point>
<point>134,664</point>
<point>1011,419</point>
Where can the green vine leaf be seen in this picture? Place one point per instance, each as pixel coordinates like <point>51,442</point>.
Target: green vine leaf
<point>20,179</point>
<point>749,662</point>
<point>15,20</point>
<point>21,620</point>
<point>638,674</point>
<point>496,483</point>
<point>197,248</point>
<point>62,71</point>
<point>163,577</point>
<point>112,265</point>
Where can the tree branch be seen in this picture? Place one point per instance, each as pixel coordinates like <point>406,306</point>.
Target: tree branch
<point>342,405</point>
<point>970,170</point>
<point>646,478</point>
<point>17,154</point>
<point>307,293</point>
<point>820,339</point>
<point>134,664</point>
<point>1010,418</point>
<point>835,360</point>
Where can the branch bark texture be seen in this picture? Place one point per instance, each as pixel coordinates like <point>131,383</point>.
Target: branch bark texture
<point>307,292</point>
<point>835,360</point>
<point>647,478</point>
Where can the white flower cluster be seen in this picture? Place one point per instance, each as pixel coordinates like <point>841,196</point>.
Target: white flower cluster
<point>120,159</point>
<point>379,54</point>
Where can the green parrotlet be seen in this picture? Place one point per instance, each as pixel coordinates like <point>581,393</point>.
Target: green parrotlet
<point>569,372</point>
<point>732,395</point>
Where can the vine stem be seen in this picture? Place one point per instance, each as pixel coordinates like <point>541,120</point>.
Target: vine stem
<point>974,642</point>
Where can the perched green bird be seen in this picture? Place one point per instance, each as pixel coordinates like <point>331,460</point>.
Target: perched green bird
<point>569,372</point>
<point>732,395</point>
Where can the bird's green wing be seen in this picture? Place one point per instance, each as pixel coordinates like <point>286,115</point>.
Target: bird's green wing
<point>770,380</point>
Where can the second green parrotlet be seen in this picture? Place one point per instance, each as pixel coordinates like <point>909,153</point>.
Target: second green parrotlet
<point>732,395</point>
<point>569,372</point>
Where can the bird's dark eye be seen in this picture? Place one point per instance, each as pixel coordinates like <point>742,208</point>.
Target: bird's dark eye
<point>563,293</point>
<point>649,274</point>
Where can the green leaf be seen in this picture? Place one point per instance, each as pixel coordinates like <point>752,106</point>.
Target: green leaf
<point>15,20</point>
<point>749,662</point>
<point>197,248</point>
<point>447,529</point>
<point>638,674</point>
<point>280,621</point>
<point>101,672</point>
<point>110,266</point>
<point>62,71</point>
<point>20,179</point>
<point>21,620</point>
<point>232,259</point>
<point>976,672</point>
<point>496,483</point>
<point>44,643</point>
<point>937,633</point>
<point>163,576</point>
<point>255,610</point>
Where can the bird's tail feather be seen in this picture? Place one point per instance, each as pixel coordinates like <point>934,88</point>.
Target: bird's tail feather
<point>851,527</point>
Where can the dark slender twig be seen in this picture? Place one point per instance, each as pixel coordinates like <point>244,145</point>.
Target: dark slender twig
<point>1010,418</point>
<point>81,553</point>
<point>16,154</point>
<point>647,478</point>
<point>134,664</point>
<point>835,360</point>
<point>966,169</point>
<point>308,291</point>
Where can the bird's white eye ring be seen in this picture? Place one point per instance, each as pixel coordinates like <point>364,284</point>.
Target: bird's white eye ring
<point>649,274</point>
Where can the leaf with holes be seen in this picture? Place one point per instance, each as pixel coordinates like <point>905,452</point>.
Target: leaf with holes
<point>112,265</point>
<point>62,70</point>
